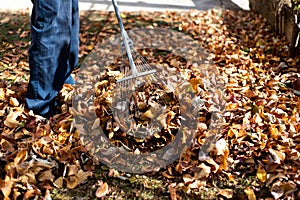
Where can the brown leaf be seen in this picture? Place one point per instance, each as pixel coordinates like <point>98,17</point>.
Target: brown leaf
<point>2,94</point>
<point>46,175</point>
<point>14,102</point>
<point>72,182</point>
<point>11,119</point>
<point>274,133</point>
<point>6,145</point>
<point>21,157</point>
<point>215,167</point>
<point>274,177</point>
<point>188,178</point>
<point>277,156</point>
<point>280,188</point>
<point>102,190</point>
<point>5,20</point>
<point>82,176</point>
<point>6,187</point>
<point>195,82</point>
<point>73,169</point>
<point>31,193</point>
<point>59,182</point>
<point>228,193</point>
<point>172,191</point>
<point>205,171</point>
<point>250,193</point>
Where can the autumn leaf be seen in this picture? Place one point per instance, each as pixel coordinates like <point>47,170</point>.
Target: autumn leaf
<point>102,190</point>
<point>228,193</point>
<point>258,133</point>
<point>172,191</point>
<point>6,187</point>
<point>21,157</point>
<point>205,171</point>
<point>46,175</point>
<point>59,182</point>
<point>72,181</point>
<point>261,173</point>
<point>250,193</point>
<point>11,119</point>
<point>277,156</point>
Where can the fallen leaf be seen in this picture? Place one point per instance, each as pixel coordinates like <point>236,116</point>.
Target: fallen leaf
<point>83,176</point>
<point>102,190</point>
<point>59,182</point>
<point>46,175</point>
<point>221,146</point>
<point>11,119</point>
<point>228,193</point>
<point>277,156</point>
<point>280,188</point>
<point>172,191</point>
<point>72,182</point>
<point>250,193</point>
<point>21,157</point>
<point>205,171</point>
<point>6,187</point>
<point>14,102</point>
<point>261,173</point>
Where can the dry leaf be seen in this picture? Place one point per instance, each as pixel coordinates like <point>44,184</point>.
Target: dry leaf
<point>261,173</point>
<point>46,175</point>
<point>59,182</point>
<point>21,157</point>
<point>262,106</point>
<point>73,170</point>
<point>172,191</point>
<point>281,188</point>
<point>188,178</point>
<point>14,102</point>
<point>102,190</point>
<point>274,177</point>
<point>205,171</point>
<point>11,119</point>
<point>72,182</point>
<point>6,186</point>
<point>274,133</point>
<point>82,176</point>
<point>221,146</point>
<point>277,156</point>
<point>250,193</point>
<point>228,193</point>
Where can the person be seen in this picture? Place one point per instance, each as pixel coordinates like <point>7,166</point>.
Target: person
<point>53,52</point>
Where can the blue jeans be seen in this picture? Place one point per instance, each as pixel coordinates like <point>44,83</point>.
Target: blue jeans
<point>53,53</point>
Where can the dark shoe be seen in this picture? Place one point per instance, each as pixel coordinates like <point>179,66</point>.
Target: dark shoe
<point>45,113</point>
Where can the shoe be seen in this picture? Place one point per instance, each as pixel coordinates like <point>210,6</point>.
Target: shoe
<point>52,110</point>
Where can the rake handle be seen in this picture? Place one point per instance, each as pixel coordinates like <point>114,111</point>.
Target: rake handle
<point>125,39</point>
<point>115,4</point>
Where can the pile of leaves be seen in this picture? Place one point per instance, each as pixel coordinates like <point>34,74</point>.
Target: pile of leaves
<point>256,155</point>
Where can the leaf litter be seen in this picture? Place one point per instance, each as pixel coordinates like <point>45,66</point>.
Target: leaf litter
<point>257,152</point>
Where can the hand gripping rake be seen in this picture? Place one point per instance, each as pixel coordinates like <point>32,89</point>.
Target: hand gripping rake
<point>141,68</point>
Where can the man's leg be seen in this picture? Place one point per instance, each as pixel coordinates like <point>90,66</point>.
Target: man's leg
<point>49,54</point>
<point>74,44</point>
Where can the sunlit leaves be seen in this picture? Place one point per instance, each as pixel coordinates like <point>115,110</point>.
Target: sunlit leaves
<point>260,139</point>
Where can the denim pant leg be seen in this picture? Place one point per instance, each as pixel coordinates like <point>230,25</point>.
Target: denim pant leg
<point>53,53</point>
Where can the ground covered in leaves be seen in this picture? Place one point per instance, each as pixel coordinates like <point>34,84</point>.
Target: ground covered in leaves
<point>257,156</point>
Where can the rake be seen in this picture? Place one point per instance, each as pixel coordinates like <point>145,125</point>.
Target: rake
<point>137,76</point>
